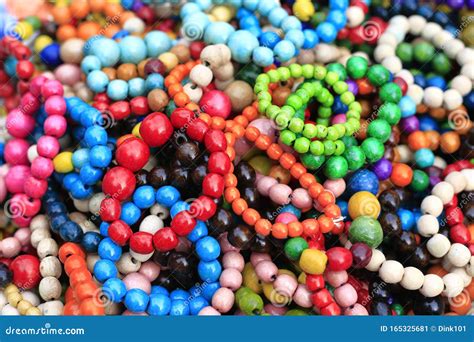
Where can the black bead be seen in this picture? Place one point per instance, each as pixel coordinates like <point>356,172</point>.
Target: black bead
<point>420,258</point>
<point>391,225</point>
<point>380,308</point>
<point>389,200</point>
<point>428,306</point>
<point>241,237</point>
<point>405,244</point>
<point>188,153</point>
<point>261,244</point>
<point>141,176</point>
<point>251,196</point>
<point>5,275</point>
<point>221,222</point>
<point>245,174</point>
<point>157,177</point>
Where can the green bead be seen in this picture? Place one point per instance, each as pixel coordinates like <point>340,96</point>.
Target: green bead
<point>302,145</point>
<point>404,51</point>
<point>264,95</point>
<point>340,129</point>
<point>353,114</point>
<point>398,308</point>
<point>311,161</point>
<point>347,98</point>
<point>339,69</point>
<point>336,167</point>
<point>310,87</point>
<point>356,107</point>
<point>367,230</point>
<point>241,293</point>
<point>296,125</point>
<point>323,96</point>
<point>260,87</point>
<point>294,247</point>
<point>251,304</point>
<point>355,157</point>
<point>249,73</point>
<point>324,112</point>
<point>373,149</point>
<point>34,21</point>
<point>320,72</point>
<point>340,147</point>
<point>296,312</point>
<point>390,92</point>
<point>420,181</point>
<point>287,137</point>
<point>282,121</point>
<point>284,72</point>
<point>318,88</point>
<point>332,134</point>
<point>272,111</point>
<point>274,76</point>
<point>294,101</point>
<point>321,131</point>
<point>300,113</point>
<point>323,121</point>
<point>309,131</point>
<point>423,52</point>
<point>296,70</point>
<point>308,71</point>
<point>329,147</point>
<point>390,112</point>
<point>331,77</point>
<point>262,106</point>
<point>378,75</point>
<point>379,129</point>
<point>288,110</point>
<point>441,64</point>
<point>304,95</point>
<point>263,78</point>
<point>340,87</point>
<point>316,147</point>
<point>349,141</point>
<point>357,67</point>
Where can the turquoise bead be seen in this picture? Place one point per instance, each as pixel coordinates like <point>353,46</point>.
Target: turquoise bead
<point>97,81</point>
<point>157,42</point>
<point>117,90</point>
<point>132,50</point>
<point>242,43</point>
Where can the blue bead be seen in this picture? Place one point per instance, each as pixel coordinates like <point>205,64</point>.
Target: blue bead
<point>90,175</point>
<point>199,231</point>
<point>104,229</point>
<point>71,231</point>
<point>265,7</point>
<point>179,308</point>
<point>69,180</point>
<point>106,49</point>
<point>269,39</point>
<point>117,90</point>
<point>406,218</point>
<point>276,16</point>
<point>188,8</point>
<point>114,289</point>
<point>209,271</point>
<point>424,158</point>
<point>80,191</point>
<point>90,117</point>
<point>209,288</point>
<point>338,4</point>
<point>179,207</point>
<point>425,11</point>
<point>109,250</point>
<point>136,300</point>
<point>180,294</point>
<point>249,22</point>
<point>154,81</point>
<point>160,305</point>
<point>104,269</point>
<point>50,55</point>
<point>310,39</point>
<point>251,5</point>
<point>130,213</point>
<point>327,32</point>
<point>56,221</point>
<point>91,241</point>
<point>218,32</point>
<point>90,64</point>
<point>10,66</point>
<point>407,106</point>
<point>197,304</point>
<point>363,180</point>
<point>436,81</point>
<point>343,205</point>
<point>284,50</point>
<point>97,81</point>
<point>157,42</point>
<point>100,156</point>
<point>208,248</point>
<point>144,196</point>
<point>420,80</point>
<point>80,157</point>
<point>167,196</point>
<point>242,43</point>
<point>296,37</point>
<point>95,135</point>
<point>262,56</point>
<point>337,18</point>
<point>290,208</point>
<point>136,87</point>
<point>157,289</point>
<point>196,290</point>
<point>427,123</point>
<point>468,100</point>
<point>56,208</point>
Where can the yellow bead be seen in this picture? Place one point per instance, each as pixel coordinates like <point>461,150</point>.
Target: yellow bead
<point>136,130</point>
<point>14,299</point>
<point>10,289</point>
<point>41,42</point>
<point>302,278</point>
<point>261,164</point>
<point>63,162</point>
<point>251,279</point>
<point>222,13</point>
<point>169,60</point>
<point>33,311</point>
<point>313,261</point>
<point>303,9</point>
<point>24,29</point>
<point>276,298</point>
<point>23,307</point>
<point>364,203</point>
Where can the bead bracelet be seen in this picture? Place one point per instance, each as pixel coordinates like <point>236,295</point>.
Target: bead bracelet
<point>13,302</point>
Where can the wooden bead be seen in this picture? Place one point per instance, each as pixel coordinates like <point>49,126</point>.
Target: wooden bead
<point>412,278</point>
<point>11,289</point>
<point>50,267</point>
<point>438,245</point>
<point>201,75</point>
<point>14,298</point>
<point>469,177</point>
<point>39,235</point>
<point>127,264</point>
<point>23,307</point>
<point>391,271</point>
<point>53,308</point>
<point>33,311</point>
<point>433,285</point>
<point>453,285</point>
<point>427,225</point>
<point>458,255</point>
<point>224,72</point>
<point>212,56</point>
<point>193,91</point>
<point>50,288</point>
<point>432,205</point>
<point>39,222</point>
<point>47,247</point>
<point>377,259</point>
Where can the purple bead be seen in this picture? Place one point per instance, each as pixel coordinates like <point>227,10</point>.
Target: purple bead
<point>410,124</point>
<point>455,4</point>
<point>352,86</point>
<point>470,4</point>
<point>434,180</point>
<point>137,5</point>
<point>382,169</point>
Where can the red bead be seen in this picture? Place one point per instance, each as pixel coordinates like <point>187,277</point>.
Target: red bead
<point>133,154</point>
<point>357,285</point>
<point>197,129</point>
<point>120,232</point>
<point>213,185</point>
<point>363,297</point>
<point>142,242</point>
<point>120,110</point>
<point>339,259</point>
<point>464,164</point>
<point>402,84</point>
<point>356,35</point>
<point>181,117</point>
<point>195,49</point>
<point>21,52</point>
<point>450,168</point>
<point>110,210</point>
<point>102,97</point>
<point>165,240</point>
<point>26,272</point>
<point>183,223</point>
<point>203,208</point>
<point>25,69</point>
<point>104,109</point>
<point>215,141</point>
<point>219,162</point>
<point>343,33</point>
<point>331,310</point>
<point>314,282</point>
<point>460,234</point>
<point>119,183</point>
<point>321,298</point>
<point>156,129</point>
<point>454,215</point>
<point>471,248</point>
<point>6,90</point>
<point>452,203</point>
<point>216,103</point>
<point>139,105</point>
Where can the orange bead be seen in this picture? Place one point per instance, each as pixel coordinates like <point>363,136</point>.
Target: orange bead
<point>238,130</point>
<point>174,89</point>
<point>263,227</point>
<point>192,107</point>
<point>295,229</point>
<point>438,270</point>
<point>85,290</point>
<point>402,174</point>
<point>230,152</point>
<point>61,14</point>
<point>315,190</point>
<point>281,174</point>
<point>332,211</point>
<point>325,224</point>
<point>470,288</point>
<point>69,296</point>
<point>68,249</point>
<point>241,120</point>
<point>250,216</point>
<point>239,205</point>
<point>418,140</point>
<point>230,180</point>
<point>71,309</point>
<point>364,87</point>
<point>287,160</point>
<point>112,9</point>
<point>433,138</point>
<point>181,99</point>
<point>206,118</point>
<point>280,231</point>
<point>88,29</point>
<point>92,307</point>
<point>338,228</point>
<point>326,198</point>
<point>231,194</point>
<point>274,151</point>
<point>79,275</point>
<point>461,304</point>
<point>297,170</point>
<point>97,5</point>
<point>218,123</point>
<point>170,80</point>
<point>79,9</point>
<point>230,138</point>
<point>471,231</point>
<point>74,262</point>
<point>307,179</point>
<point>310,227</point>
<point>450,142</point>
<point>252,133</point>
<point>66,32</point>
<point>250,113</point>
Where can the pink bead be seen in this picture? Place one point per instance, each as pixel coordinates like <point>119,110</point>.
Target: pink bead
<point>137,281</point>
<point>256,258</point>
<point>42,167</point>
<point>55,105</point>
<point>233,260</point>
<point>302,296</point>
<point>280,194</point>
<point>208,311</point>
<point>36,84</point>
<point>216,103</point>
<point>68,74</point>
<point>285,285</point>
<point>231,278</point>
<point>16,152</point>
<point>264,185</point>
<point>225,244</point>
<point>275,310</point>
<point>223,300</point>
<point>34,187</point>
<point>356,310</point>
<point>337,186</point>
<point>265,126</point>
<point>345,295</point>
<point>51,88</point>
<point>338,119</point>
<point>336,278</point>
<point>29,104</point>
<point>267,271</point>
<point>150,270</point>
<point>48,146</point>
<point>23,235</point>
<point>55,125</point>
<point>16,177</point>
<point>286,218</point>
<point>301,199</point>
<point>19,124</point>
<point>20,205</point>
<point>242,146</point>
<point>10,247</point>
<point>22,221</point>
<point>3,189</point>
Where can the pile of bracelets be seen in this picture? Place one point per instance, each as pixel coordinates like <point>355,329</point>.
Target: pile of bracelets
<point>236,158</point>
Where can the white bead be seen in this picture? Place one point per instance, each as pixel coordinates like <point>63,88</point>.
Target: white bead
<point>461,272</point>
<point>32,297</point>
<point>355,16</point>
<point>401,22</point>
<point>446,264</point>
<point>469,176</point>
<point>47,247</point>
<point>438,245</point>
<point>91,260</point>
<point>470,267</point>
<point>141,257</point>
<point>224,72</point>
<point>468,71</point>
<point>458,255</point>
<point>376,260</point>
<point>193,91</point>
<point>51,267</point>
<point>39,222</point>
<point>127,264</point>
<point>81,205</point>
<point>151,224</point>
<point>389,39</point>
<point>383,51</point>
<point>462,84</point>
<point>453,47</point>
<point>431,29</point>
<point>393,64</point>
<point>134,25</point>
<point>465,56</point>
<point>417,24</point>
<point>50,288</point>
<point>431,205</point>
<point>32,153</point>
<point>412,279</point>
<point>201,75</point>
<point>225,52</point>
<point>38,235</point>
<point>427,225</point>
<point>9,310</point>
<point>440,40</point>
<point>77,217</point>
<point>457,180</point>
<point>53,308</point>
<point>160,211</point>
<point>444,191</point>
<point>433,285</point>
<point>440,162</point>
<point>407,76</point>
<point>453,285</point>
<point>406,154</point>
<point>416,93</point>
<point>95,202</point>
<point>391,271</point>
<point>433,97</point>
<point>452,99</point>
